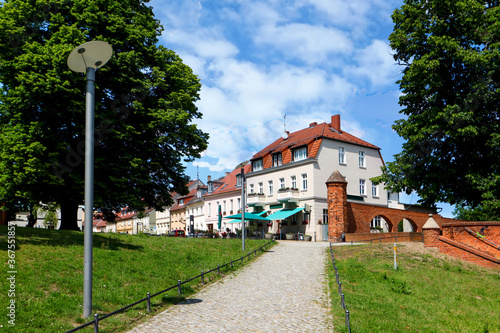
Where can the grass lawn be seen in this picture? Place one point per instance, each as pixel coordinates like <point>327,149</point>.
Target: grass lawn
<point>428,293</point>
<point>49,279</point>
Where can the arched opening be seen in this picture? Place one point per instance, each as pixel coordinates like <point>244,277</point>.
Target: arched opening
<point>406,225</point>
<point>380,223</point>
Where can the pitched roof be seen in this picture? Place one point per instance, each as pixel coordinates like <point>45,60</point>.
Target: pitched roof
<point>229,181</point>
<point>186,198</point>
<point>310,137</point>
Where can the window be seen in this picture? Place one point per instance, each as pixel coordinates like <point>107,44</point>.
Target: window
<point>374,190</point>
<point>257,165</point>
<point>251,188</point>
<point>270,187</point>
<point>238,181</point>
<point>239,203</point>
<point>282,182</point>
<point>304,181</point>
<point>362,159</point>
<point>325,216</point>
<point>375,223</point>
<point>277,159</point>
<point>300,154</point>
<point>210,187</point>
<point>362,187</point>
<point>293,180</point>
<point>224,206</point>
<point>261,187</point>
<point>181,202</point>
<point>231,205</point>
<point>342,155</point>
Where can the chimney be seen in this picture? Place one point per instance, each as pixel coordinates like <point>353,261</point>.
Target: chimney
<point>227,173</point>
<point>336,122</point>
<point>209,178</point>
<point>313,124</point>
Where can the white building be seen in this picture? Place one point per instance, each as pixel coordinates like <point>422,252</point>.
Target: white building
<point>226,193</point>
<point>287,177</point>
<point>195,208</point>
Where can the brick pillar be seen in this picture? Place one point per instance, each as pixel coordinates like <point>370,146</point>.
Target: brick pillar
<point>337,206</point>
<point>431,231</point>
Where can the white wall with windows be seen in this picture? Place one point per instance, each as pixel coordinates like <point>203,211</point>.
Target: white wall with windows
<point>357,163</point>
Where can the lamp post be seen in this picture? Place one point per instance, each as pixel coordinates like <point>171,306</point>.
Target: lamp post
<point>242,175</point>
<point>87,58</point>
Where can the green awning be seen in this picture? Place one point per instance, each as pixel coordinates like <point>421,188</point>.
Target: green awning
<point>236,221</point>
<point>284,213</point>
<point>260,213</point>
<point>248,216</point>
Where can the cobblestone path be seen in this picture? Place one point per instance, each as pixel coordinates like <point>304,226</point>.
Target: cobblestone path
<point>281,291</point>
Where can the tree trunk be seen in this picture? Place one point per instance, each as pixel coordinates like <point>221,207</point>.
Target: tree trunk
<point>69,216</point>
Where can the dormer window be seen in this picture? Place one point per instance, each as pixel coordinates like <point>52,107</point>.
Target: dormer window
<point>210,187</point>
<point>257,165</point>
<point>277,159</point>
<point>238,180</point>
<point>299,154</point>
<point>181,202</point>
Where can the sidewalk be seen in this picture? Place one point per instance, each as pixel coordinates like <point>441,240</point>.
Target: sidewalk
<point>282,291</point>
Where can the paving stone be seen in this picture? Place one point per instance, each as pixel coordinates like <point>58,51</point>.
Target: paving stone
<point>281,291</point>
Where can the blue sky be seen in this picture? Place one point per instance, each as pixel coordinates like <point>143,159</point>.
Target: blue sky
<point>260,60</point>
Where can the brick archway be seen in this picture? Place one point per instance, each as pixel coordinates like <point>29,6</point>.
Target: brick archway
<point>359,217</point>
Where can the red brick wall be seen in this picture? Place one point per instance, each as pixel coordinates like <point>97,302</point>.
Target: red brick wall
<point>360,215</point>
<point>468,253</point>
<point>385,237</point>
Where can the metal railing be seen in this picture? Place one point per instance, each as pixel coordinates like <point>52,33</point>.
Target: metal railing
<point>147,299</point>
<point>341,295</point>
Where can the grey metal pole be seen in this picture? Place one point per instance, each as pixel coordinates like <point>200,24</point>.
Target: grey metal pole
<point>89,193</point>
<point>243,208</point>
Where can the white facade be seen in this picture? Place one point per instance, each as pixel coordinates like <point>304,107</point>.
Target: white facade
<point>306,175</point>
<point>162,222</point>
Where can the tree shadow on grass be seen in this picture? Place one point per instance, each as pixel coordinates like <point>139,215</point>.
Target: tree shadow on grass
<point>62,238</point>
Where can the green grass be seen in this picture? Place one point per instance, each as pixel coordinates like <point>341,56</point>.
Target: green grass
<point>425,294</point>
<point>49,279</point>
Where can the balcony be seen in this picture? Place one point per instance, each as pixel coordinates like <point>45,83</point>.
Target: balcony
<point>256,199</point>
<point>288,195</point>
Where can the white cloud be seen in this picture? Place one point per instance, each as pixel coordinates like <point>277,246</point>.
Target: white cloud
<point>205,43</point>
<point>375,63</point>
<point>310,43</point>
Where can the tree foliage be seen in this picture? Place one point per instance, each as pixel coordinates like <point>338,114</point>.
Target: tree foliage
<point>145,105</point>
<point>450,50</point>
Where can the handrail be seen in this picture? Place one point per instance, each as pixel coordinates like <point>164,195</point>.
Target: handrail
<point>96,320</point>
<point>483,239</point>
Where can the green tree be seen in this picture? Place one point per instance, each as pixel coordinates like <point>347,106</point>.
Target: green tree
<point>145,105</point>
<point>450,102</point>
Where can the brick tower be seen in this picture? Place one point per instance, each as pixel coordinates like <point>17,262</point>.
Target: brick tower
<point>337,206</point>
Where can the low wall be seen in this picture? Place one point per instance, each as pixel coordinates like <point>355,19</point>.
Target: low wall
<point>467,253</point>
<point>385,237</point>
<point>460,239</point>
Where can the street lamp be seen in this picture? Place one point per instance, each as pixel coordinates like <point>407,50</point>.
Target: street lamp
<point>87,58</point>
<point>242,175</point>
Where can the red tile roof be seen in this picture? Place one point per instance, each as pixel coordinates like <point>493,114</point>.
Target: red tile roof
<point>186,199</point>
<point>229,182</point>
<point>312,138</point>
